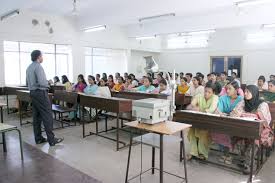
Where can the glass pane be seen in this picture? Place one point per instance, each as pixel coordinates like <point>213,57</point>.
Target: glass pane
<point>12,72</point>
<point>234,65</point>
<point>25,61</point>
<point>88,66</point>
<point>62,67</point>
<point>88,51</point>
<point>218,64</point>
<point>29,47</point>
<point>63,49</point>
<point>49,65</point>
<point>11,46</point>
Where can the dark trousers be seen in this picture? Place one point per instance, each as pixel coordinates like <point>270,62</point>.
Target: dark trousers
<point>42,112</point>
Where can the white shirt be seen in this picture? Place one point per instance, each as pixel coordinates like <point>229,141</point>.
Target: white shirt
<point>265,86</point>
<point>103,91</point>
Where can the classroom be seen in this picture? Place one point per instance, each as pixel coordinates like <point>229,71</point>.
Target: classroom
<point>116,91</point>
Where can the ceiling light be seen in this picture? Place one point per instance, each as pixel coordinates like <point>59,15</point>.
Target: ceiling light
<point>244,3</point>
<point>260,37</point>
<point>145,37</point>
<point>201,32</point>
<point>10,14</point>
<point>156,17</point>
<point>95,28</point>
<point>269,25</point>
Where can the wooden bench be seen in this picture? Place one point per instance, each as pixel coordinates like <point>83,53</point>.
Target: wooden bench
<point>64,102</point>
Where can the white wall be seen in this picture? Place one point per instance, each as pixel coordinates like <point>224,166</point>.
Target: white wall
<point>258,59</point>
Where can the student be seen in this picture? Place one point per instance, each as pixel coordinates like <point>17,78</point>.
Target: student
<point>158,79</point>
<point>223,80</point>
<point>80,85</point>
<point>128,84</point>
<point>218,77</point>
<point>110,82</point>
<point>117,74</point>
<point>225,106</point>
<point>262,85</point>
<point>56,80</point>
<point>234,76</point>
<point>208,77</point>
<point>97,77</point>
<point>196,88</point>
<point>213,79</point>
<point>183,86</point>
<point>189,78</point>
<point>103,90</point>
<point>120,85</point>
<point>163,89</point>
<point>199,139</point>
<point>104,75</point>
<point>269,96</point>
<point>181,74</point>
<point>224,89</point>
<point>147,85</point>
<point>201,77</point>
<point>253,107</point>
<point>272,77</point>
<point>134,80</point>
<point>92,86</point>
<point>66,83</point>
<point>125,76</point>
<point>198,74</point>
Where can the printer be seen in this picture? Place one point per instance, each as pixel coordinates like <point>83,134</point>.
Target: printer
<point>151,110</point>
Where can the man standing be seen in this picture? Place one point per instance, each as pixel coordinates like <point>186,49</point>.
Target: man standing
<point>41,105</point>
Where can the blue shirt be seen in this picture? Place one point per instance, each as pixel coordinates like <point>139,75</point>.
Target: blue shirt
<point>226,106</point>
<point>91,89</point>
<point>145,89</point>
<point>36,77</point>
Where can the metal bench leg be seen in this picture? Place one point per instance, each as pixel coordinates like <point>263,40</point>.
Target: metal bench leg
<point>4,142</point>
<point>20,142</point>
<point>153,160</point>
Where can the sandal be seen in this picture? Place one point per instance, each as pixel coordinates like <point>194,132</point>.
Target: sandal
<point>222,159</point>
<point>228,160</point>
<point>189,157</point>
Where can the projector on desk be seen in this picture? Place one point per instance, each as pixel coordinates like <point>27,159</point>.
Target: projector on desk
<point>151,110</point>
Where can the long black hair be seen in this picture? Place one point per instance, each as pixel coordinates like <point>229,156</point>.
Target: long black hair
<point>64,79</point>
<point>255,101</point>
<point>82,78</point>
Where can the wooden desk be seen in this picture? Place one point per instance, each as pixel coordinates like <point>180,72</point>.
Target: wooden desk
<point>11,90</point>
<point>163,128</point>
<point>182,100</point>
<point>24,96</point>
<point>112,104</point>
<point>240,127</point>
<point>137,95</point>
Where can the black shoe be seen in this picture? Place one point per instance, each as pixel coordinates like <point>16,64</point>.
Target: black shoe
<point>56,141</point>
<point>43,140</point>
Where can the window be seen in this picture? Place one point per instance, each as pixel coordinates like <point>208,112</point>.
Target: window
<point>57,60</point>
<point>100,60</point>
<point>227,63</point>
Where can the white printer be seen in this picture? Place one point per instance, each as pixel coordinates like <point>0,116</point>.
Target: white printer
<point>151,110</point>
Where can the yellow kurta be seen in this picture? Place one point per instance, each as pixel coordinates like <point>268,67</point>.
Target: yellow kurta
<point>182,89</point>
<point>200,139</point>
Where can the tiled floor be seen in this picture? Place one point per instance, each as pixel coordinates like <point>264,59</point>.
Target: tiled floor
<point>96,157</point>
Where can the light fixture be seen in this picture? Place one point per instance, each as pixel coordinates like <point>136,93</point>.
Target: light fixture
<point>145,37</point>
<point>10,14</point>
<point>95,28</point>
<point>157,17</point>
<point>260,37</point>
<point>243,3</point>
<point>187,42</point>
<point>269,25</point>
<point>201,32</point>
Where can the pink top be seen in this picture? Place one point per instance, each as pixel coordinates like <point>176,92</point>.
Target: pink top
<point>240,92</point>
<point>79,87</point>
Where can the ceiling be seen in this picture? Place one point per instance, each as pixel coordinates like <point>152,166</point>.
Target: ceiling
<point>189,14</point>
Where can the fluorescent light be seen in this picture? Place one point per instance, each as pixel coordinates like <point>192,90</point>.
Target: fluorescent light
<point>187,42</point>
<point>269,25</point>
<point>156,17</point>
<point>145,37</point>
<point>95,28</point>
<point>260,37</point>
<point>201,32</point>
<point>244,3</point>
<point>10,14</point>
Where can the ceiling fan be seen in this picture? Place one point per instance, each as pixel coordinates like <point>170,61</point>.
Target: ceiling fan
<point>75,10</point>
